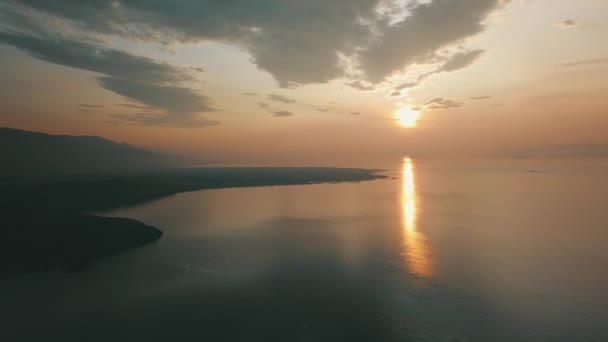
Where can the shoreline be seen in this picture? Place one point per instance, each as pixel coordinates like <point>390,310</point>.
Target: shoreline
<point>56,225</point>
<point>113,192</point>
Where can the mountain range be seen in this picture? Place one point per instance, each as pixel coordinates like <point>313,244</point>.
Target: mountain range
<point>35,155</point>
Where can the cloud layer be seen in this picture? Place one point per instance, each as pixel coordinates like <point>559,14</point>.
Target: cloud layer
<point>141,79</point>
<point>298,42</point>
<point>584,62</point>
<point>457,61</point>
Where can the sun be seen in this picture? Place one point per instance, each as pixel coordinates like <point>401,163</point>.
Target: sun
<point>407,116</point>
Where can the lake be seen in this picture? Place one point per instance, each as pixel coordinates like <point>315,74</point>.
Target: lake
<point>468,251</point>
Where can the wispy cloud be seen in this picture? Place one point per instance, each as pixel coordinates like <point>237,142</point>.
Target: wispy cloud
<point>282,114</point>
<point>584,62</point>
<point>157,118</point>
<point>280,98</point>
<point>395,94</point>
<point>92,108</point>
<point>173,99</point>
<point>136,106</point>
<point>362,85</point>
<point>455,62</point>
<point>569,23</point>
<point>407,85</point>
<point>441,103</point>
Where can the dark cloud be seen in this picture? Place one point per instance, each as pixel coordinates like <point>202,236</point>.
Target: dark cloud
<point>325,39</point>
<point>428,28</point>
<point>141,79</point>
<point>85,56</point>
<point>322,110</point>
<point>165,105</point>
<point>13,18</point>
<point>485,97</point>
<point>583,62</point>
<point>282,114</point>
<point>280,98</point>
<point>315,30</point>
<point>264,105</point>
<point>355,113</point>
<point>250,94</point>
<point>84,105</point>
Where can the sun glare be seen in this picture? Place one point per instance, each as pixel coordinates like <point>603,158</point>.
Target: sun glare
<point>407,116</point>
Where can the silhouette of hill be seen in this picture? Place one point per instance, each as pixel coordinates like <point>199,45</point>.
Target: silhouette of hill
<point>35,239</point>
<point>35,155</point>
<point>48,181</point>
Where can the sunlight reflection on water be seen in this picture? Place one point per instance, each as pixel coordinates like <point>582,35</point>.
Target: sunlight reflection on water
<point>415,250</point>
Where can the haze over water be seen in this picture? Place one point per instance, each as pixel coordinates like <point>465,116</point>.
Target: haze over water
<point>437,252</point>
<point>488,117</point>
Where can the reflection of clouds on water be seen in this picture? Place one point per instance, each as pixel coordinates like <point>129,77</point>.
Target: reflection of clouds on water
<point>415,252</point>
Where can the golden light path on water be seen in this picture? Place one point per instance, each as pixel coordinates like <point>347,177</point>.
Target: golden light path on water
<point>415,250</point>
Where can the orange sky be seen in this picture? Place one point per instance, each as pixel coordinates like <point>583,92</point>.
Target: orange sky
<point>486,77</point>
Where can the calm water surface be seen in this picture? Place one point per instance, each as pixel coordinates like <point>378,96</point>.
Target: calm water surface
<point>438,252</point>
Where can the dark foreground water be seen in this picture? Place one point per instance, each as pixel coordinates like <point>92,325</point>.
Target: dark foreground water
<point>441,252</point>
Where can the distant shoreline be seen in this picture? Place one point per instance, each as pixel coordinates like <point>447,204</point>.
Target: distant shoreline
<point>46,228</point>
<point>98,193</point>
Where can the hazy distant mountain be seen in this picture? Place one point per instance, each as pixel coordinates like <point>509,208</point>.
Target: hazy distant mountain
<point>25,154</point>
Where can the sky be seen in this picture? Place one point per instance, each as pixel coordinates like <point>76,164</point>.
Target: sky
<point>311,82</point>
